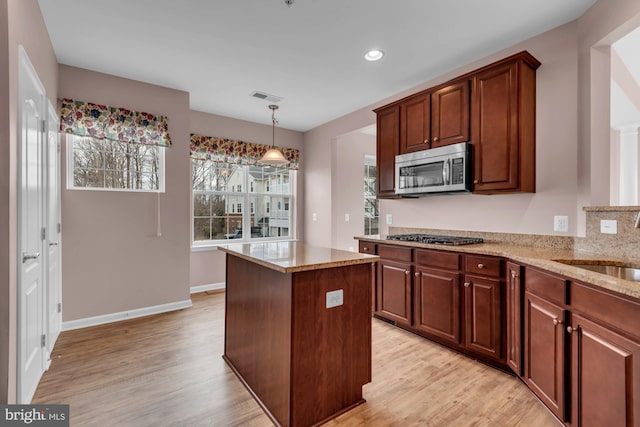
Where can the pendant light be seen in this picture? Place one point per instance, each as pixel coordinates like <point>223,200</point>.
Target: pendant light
<point>273,156</point>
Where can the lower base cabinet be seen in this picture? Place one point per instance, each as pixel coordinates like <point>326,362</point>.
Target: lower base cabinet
<point>605,372</point>
<point>575,346</point>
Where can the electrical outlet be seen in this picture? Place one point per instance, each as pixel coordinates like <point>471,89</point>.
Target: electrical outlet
<point>346,217</point>
<point>561,223</point>
<point>314,216</point>
<point>335,298</point>
<point>389,219</point>
<point>609,226</point>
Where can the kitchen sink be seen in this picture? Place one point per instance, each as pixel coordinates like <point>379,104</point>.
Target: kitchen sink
<point>615,270</point>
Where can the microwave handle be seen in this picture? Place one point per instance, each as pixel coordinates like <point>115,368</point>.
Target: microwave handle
<point>446,173</point>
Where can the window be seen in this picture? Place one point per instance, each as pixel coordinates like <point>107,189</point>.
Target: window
<point>218,201</point>
<point>371,208</point>
<point>106,164</point>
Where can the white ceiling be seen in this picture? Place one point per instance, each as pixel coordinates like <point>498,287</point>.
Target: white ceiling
<point>310,54</point>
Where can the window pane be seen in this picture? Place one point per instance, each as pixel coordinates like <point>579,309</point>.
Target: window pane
<point>270,222</point>
<point>201,205</point>
<point>88,178</point>
<point>115,165</point>
<point>201,229</point>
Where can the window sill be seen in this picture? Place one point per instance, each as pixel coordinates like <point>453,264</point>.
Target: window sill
<point>214,246</point>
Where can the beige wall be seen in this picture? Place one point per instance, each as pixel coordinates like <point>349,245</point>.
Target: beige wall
<point>21,23</point>
<point>348,176</point>
<point>208,266</point>
<point>112,258</point>
<point>572,130</point>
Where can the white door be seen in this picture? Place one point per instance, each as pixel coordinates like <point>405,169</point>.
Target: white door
<point>53,279</point>
<point>31,355</point>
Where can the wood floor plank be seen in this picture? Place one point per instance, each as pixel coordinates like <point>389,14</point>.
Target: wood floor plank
<point>167,370</point>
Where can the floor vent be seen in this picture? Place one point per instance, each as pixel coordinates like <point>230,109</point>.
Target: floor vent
<point>265,96</point>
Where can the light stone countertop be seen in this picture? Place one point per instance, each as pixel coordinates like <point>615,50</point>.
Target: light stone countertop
<point>544,258</point>
<point>291,257</point>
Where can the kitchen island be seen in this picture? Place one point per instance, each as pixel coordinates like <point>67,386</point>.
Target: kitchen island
<point>298,327</point>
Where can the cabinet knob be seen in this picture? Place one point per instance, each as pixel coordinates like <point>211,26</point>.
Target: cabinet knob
<point>435,139</point>
<point>570,329</point>
<point>365,249</point>
<point>514,274</point>
<point>475,181</point>
<point>480,265</point>
<point>407,272</point>
<point>557,322</point>
<point>426,141</point>
<point>416,274</point>
<point>467,284</point>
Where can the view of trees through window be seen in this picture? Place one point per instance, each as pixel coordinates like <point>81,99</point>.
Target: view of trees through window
<point>219,201</point>
<point>102,163</point>
<point>371,208</point>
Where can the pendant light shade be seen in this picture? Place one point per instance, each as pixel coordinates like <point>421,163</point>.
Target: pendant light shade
<point>273,156</point>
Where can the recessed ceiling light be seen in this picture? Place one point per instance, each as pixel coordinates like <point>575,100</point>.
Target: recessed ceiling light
<point>374,55</point>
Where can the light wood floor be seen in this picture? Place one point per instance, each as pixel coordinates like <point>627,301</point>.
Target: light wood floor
<point>167,370</point>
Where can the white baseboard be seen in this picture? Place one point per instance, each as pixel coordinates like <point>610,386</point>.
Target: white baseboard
<point>210,287</point>
<point>124,315</point>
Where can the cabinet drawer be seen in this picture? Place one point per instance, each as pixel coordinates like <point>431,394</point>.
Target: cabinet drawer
<point>367,248</point>
<point>483,265</point>
<point>545,285</point>
<point>394,252</point>
<point>438,259</point>
<point>617,311</point>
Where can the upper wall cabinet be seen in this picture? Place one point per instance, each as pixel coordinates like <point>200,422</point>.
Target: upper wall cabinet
<point>387,147</point>
<point>503,126</point>
<point>493,108</point>
<point>435,118</point>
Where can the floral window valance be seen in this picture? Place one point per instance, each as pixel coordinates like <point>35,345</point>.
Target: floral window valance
<point>237,152</point>
<point>117,124</point>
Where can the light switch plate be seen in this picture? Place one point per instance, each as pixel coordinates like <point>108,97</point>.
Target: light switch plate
<point>335,298</point>
<point>314,216</point>
<point>609,226</point>
<point>346,217</point>
<point>389,219</point>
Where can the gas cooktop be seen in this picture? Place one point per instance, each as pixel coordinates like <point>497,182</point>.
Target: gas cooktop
<point>436,239</point>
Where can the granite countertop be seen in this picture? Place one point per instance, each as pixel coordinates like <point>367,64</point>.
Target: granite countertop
<point>544,258</point>
<point>291,257</point>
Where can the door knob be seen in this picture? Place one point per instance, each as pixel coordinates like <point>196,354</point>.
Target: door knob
<point>53,244</point>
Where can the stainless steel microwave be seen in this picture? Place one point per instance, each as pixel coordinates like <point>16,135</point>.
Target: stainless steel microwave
<point>438,170</point>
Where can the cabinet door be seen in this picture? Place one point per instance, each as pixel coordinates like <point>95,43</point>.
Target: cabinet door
<point>605,372</point>
<point>496,139</point>
<point>450,115</point>
<point>483,317</point>
<point>371,249</point>
<point>394,291</point>
<point>437,303</point>
<point>544,352</point>
<point>415,123</point>
<point>387,149</point>
<point>514,317</point>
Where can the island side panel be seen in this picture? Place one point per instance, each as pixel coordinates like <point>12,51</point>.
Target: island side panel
<point>258,333</point>
<point>331,348</point>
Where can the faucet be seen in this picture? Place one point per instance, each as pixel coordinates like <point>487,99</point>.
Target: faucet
<point>636,223</point>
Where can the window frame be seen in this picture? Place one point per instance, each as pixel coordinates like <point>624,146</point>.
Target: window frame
<point>247,196</point>
<point>71,166</point>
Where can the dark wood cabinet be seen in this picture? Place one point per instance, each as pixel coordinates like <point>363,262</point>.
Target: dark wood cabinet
<point>514,317</point>
<point>483,316</point>
<point>450,114</point>
<point>545,352</point>
<point>437,303</point>
<point>415,123</point>
<point>492,107</point>
<point>503,126</point>
<point>387,147</point>
<point>605,376</point>
<point>434,119</point>
<point>394,285</point>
